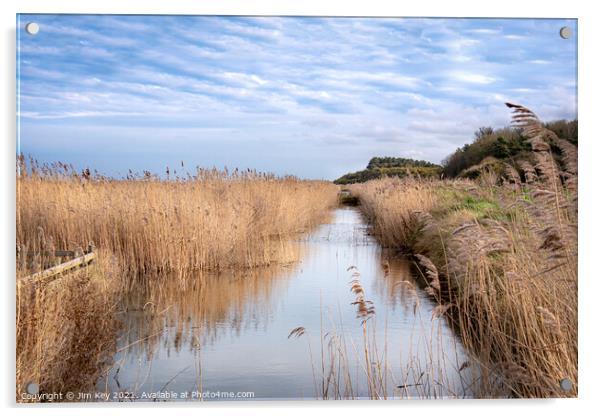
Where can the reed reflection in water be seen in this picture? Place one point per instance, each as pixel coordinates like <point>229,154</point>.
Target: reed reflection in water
<point>231,333</point>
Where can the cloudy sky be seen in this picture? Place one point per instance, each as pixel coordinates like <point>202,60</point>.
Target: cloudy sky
<point>313,97</point>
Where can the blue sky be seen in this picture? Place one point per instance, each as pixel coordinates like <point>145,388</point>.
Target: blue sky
<point>313,97</point>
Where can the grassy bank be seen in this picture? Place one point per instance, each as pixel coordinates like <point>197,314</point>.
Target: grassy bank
<point>147,230</point>
<point>500,255</point>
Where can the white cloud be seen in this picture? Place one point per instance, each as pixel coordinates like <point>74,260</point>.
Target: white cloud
<point>352,86</point>
<point>388,78</point>
<point>514,37</point>
<point>248,80</point>
<point>540,62</point>
<point>472,77</point>
<point>483,31</point>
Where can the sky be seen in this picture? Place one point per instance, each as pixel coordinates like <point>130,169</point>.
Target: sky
<point>311,97</point>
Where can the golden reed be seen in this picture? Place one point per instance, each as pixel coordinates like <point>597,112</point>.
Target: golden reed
<point>167,232</point>
<point>500,255</point>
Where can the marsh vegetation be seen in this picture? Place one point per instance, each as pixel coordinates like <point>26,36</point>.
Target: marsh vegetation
<point>499,254</point>
<point>463,287</point>
<point>149,231</point>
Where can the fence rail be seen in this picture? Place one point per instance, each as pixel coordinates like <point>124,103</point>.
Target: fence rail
<point>81,259</point>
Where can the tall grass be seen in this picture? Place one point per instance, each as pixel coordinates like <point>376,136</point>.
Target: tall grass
<point>148,231</point>
<point>66,330</point>
<point>213,220</point>
<point>500,255</point>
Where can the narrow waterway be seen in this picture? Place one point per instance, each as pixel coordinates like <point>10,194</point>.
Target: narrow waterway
<point>229,338</point>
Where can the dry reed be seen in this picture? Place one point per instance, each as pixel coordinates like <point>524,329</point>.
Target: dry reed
<point>66,331</point>
<point>213,220</point>
<point>500,255</point>
<point>178,232</point>
<point>360,365</point>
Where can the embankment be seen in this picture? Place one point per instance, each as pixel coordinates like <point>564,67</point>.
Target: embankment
<point>502,262</point>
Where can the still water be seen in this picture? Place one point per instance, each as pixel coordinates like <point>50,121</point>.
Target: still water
<point>229,338</point>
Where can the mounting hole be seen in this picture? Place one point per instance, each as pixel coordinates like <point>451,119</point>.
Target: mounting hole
<point>565,32</point>
<point>32,28</point>
<point>566,384</point>
<point>32,388</point>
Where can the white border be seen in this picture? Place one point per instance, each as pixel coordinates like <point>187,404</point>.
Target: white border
<point>589,153</point>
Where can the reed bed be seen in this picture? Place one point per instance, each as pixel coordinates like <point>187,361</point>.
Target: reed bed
<point>500,256</point>
<point>213,220</point>
<point>168,233</point>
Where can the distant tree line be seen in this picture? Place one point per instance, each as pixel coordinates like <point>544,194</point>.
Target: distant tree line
<point>379,167</point>
<point>398,162</point>
<point>501,144</point>
<point>493,146</point>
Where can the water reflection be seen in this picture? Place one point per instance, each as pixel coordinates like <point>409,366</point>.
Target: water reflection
<point>206,307</point>
<point>397,284</point>
<point>231,333</point>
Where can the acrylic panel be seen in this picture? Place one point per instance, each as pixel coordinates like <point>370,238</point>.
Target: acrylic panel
<point>295,208</point>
